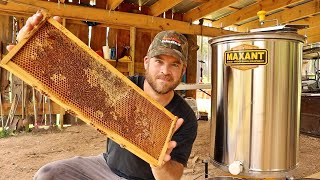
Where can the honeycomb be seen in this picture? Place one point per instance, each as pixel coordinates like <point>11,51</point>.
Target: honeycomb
<point>66,71</point>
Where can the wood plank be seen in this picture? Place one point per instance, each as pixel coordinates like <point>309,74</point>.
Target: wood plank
<point>122,39</point>
<point>313,39</point>
<point>113,4</point>
<point>133,8</point>
<point>162,6</point>
<point>5,31</point>
<point>100,25</point>
<point>311,21</point>
<point>61,117</point>
<point>133,35</point>
<point>55,109</point>
<point>111,17</point>
<point>192,64</point>
<point>314,31</point>
<point>121,66</point>
<point>143,40</point>
<point>292,14</point>
<point>207,8</point>
<point>139,68</point>
<point>310,115</point>
<point>251,11</point>
<point>102,4</point>
<point>98,38</point>
<point>80,30</point>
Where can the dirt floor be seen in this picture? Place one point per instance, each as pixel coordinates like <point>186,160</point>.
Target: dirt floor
<point>23,154</point>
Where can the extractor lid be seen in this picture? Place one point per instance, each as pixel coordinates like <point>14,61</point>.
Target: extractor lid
<point>287,27</point>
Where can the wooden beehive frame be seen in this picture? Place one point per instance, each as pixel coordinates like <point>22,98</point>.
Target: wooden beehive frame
<point>31,80</point>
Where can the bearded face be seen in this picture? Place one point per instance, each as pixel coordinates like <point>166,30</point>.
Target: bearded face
<point>163,73</point>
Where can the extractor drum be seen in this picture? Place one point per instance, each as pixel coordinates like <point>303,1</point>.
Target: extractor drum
<point>256,80</point>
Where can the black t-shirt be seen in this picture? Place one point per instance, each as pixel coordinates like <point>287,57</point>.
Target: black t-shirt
<point>127,165</point>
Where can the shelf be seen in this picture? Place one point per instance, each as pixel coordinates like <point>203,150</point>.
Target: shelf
<point>193,86</point>
<point>108,60</point>
<point>311,51</point>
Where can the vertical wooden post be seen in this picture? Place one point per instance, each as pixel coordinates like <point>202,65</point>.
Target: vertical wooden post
<point>133,31</point>
<point>192,64</point>
<point>61,119</point>
<point>64,22</point>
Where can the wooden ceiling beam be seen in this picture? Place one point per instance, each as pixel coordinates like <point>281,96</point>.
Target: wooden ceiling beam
<point>29,7</point>
<point>207,8</point>
<point>162,6</point>
<point>292,14</point>
<point>311,21</point>
<point>251,11</point>
<point>200,1</point>
<point>313,39</point>
<point>313,31</point>
<point>113,4</point>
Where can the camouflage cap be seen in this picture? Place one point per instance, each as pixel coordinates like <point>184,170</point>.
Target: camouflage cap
<point>169,43</point>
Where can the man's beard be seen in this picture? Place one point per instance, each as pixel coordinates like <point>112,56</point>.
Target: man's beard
<point>162,89</point>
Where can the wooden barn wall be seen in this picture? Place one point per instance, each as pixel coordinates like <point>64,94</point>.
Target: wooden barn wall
<point>5,31</point>
<point>119,38</point>
<point>143,40</point>
<point>98,38</point>
<point>79,30</point>
<point>5,38</point>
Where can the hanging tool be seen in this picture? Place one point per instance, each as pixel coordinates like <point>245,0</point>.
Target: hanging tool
<point>201,52</point>
<point>25,121</point>
<point>12,111</point>
<point>125,54</point>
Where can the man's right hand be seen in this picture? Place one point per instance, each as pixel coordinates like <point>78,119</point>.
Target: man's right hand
<point>29,26</point>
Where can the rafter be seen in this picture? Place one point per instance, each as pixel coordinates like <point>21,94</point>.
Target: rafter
<point>113,4</point>
<point>109,17</point>
<point>162,6</point>
<point>251,11</point>
<point>292,14</point>
<point>313,39</point>
<point>313,31</point>
<point>207,8</point>
<point>314,26</point>
<point>311,21</point>
<point>200,1</point>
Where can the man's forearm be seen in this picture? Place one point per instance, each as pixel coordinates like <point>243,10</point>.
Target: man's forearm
<point>171,170</point>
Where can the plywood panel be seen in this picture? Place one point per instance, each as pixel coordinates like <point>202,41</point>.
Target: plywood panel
<point>5,31</point>
<point>79,30</point>
<point>143,40</point>
<point>310,115</point>
<point>98,38</point>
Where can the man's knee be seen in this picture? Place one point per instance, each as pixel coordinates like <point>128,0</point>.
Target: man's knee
<point>47,172</point>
